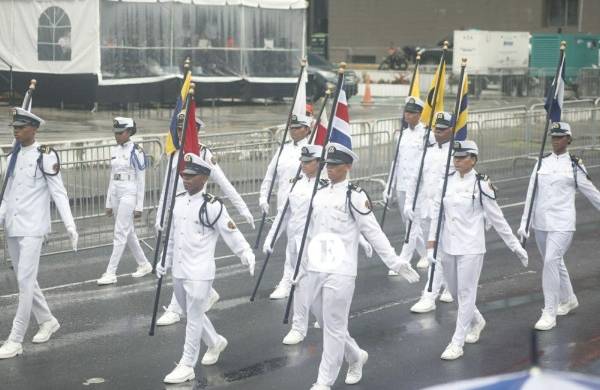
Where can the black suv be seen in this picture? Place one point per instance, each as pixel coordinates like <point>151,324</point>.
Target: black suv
<point>322,72</point>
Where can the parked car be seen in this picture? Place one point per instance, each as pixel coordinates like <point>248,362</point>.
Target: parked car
<point>322,72</point>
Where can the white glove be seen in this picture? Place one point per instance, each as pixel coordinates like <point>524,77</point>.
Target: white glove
<point>522,255</point>
<point>366,246</point>
<point>160,270</point>
<point>267,250</point>
<point>248,260</point>
<point>249,218</point>
<point>409,213</point>
<point>430,258</point>
<point>73,236</point>
<point>300,275</point>
<point>157,228</point>
<point>522,233</point>
<point>407,272</point>
<point>264,206</point>
<point>387,197</point>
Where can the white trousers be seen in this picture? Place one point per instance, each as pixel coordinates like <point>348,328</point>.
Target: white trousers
<point>123,207</point>
<point>291,257</point>
<point>176,308</point>
<point>556,282</point>
<point>462,277</point>
<point>401,197</point>
<point>417,240</point>
<point>331,296</point>
<point>193,295</point>
<point>25,255</point>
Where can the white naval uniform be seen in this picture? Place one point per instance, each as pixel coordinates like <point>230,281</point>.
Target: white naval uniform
<point>25,213</point>
<point>409,159</point>
<point>462,242</point>
<point>190,253</point>
<point>125,195</point>
<point>218,176</point>
<point>287,168</point>
<point>331,269</point>
<point>553,221</point>
<point>434,169</point>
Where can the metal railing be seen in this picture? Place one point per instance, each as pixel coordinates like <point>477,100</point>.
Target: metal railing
<point>10,81</point>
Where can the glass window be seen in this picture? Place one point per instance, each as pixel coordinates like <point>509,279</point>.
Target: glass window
<point>562,12</point>
<point>54,35</point>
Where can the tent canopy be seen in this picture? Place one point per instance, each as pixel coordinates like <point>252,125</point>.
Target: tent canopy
<point>275,4</point>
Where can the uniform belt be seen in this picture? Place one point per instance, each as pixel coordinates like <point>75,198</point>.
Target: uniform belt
<point>123,176</point>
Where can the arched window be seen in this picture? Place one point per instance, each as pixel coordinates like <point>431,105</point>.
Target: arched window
<point>54,35</point>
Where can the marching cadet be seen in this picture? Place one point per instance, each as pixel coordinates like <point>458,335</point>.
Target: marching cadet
<point>125,199</point>
<point>174,312</point>
<point>553,220</point>
<point>469,203</point>
<point>293,221</point>
<point>198,221</point>
<point>341,211</point>
<point>434,168</point>
<point>285,169</point>
<point>25,214</point>
<point>409,158</point>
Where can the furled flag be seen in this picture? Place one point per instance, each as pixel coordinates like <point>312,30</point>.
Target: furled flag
<point>416,85</point>
<point>321,129</point>
<point>340,129</point>
<point>439,103</point>
<point>554,101</point>
<point>172,143</point>
<point>460,128</point>
<point>191,143</point>
<point>299,108</point>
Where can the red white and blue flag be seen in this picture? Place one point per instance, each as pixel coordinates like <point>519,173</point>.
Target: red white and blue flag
<point>340,130</point>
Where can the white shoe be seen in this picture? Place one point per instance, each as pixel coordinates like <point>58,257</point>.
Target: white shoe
<point>212,354</point>
<point>546,322</point>
<point>316,325</point>
<point>212,299</point>
<point>565,308</point>
<point>423,263</point>
<point>317,386</point>
<point>446,296</point>
<point>475,332</point>
<point>424,305</point>
<point>107,279</point>
<point>10,349</point>
<point>180,374</point>
<point>47,329</point>
<point>393,273</point>
<point>293,337</point>
<point>452,352</point>
<point>142,270</point>
<point>168,318</point>
<point>354,374</point>
<point>281,292</point>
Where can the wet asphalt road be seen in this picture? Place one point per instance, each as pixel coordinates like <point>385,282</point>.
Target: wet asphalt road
<point>104,331</point>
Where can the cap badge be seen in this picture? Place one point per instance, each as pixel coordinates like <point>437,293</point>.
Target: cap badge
<point>188,157</point>
<point>331,149</point>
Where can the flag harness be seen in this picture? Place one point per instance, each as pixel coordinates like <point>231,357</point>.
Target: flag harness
<point>45,149</point>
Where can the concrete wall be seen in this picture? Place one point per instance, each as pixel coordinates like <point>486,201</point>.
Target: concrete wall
<point>369,27</point>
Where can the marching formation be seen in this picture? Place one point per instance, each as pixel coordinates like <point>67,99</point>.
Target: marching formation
<point>446,207</point>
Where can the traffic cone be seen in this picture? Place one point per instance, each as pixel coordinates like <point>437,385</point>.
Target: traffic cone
<point>367,98</point>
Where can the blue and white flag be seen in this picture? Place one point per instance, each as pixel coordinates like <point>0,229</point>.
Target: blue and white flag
<point>554,101</point>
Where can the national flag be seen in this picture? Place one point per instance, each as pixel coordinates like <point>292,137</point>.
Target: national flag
<point>172,142</point>
<point>429,108</point>
<point>299,107</point>
<point>321,129</point>
<point>416,89</point>
<point>460,128</point>
<point>554,101</point>
<point>340,129</point>
<point>191,143</point>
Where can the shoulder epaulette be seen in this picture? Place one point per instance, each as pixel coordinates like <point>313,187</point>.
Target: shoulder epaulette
<point>211,198</point>
<point>577,163</point>
<point>203,212</point>
<point>180,194</point>
<point>546,155</point>
<point>138,147</point>
<point>323,183</point>
<point>368,204</point>
<point>295,179</point>
<point>46,149</point>
<point>451,173</point>
<point>485,178</point>
<point>429,145</point>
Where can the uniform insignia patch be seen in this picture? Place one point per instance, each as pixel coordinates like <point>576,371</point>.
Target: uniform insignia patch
<point>368,204</point>
<point>231,225</point>
<point>56,167</point>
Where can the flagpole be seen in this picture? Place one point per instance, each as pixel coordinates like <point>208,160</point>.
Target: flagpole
<point>397,150</point>
<point>287,127</point>
<point>187,67</point>
<point>287,202</point>
<point>188,100</point>
<point>336,97</point>
<point>459,97</point>
<point>426,138</point>
<point>551,94</point>
<point>26,106</point>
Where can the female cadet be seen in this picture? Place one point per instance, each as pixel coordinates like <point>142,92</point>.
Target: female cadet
<point>553,220</point>
<point>469,203</point>
<point>125,199</point>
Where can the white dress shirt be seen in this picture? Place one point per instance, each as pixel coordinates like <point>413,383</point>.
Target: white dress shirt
<point>191,249</point>
<point>554,206</point>
<point>464,218</point>
<point>409,156</point>
<point>26,206</point>
<point>125,176</point>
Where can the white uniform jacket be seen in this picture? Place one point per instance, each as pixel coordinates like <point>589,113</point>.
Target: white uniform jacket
<point>554,206</point>
<point>191,249</point>
<point>465,213</point>
<point>126,176</point>
<point>409,156</point>
<point>286,170</point>
<point>334,233</point>
<point>26,206</point>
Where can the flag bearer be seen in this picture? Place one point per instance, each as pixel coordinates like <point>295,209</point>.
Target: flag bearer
<point>553,220</point>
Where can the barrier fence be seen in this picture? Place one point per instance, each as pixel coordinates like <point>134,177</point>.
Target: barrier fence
<point>508,141</point>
